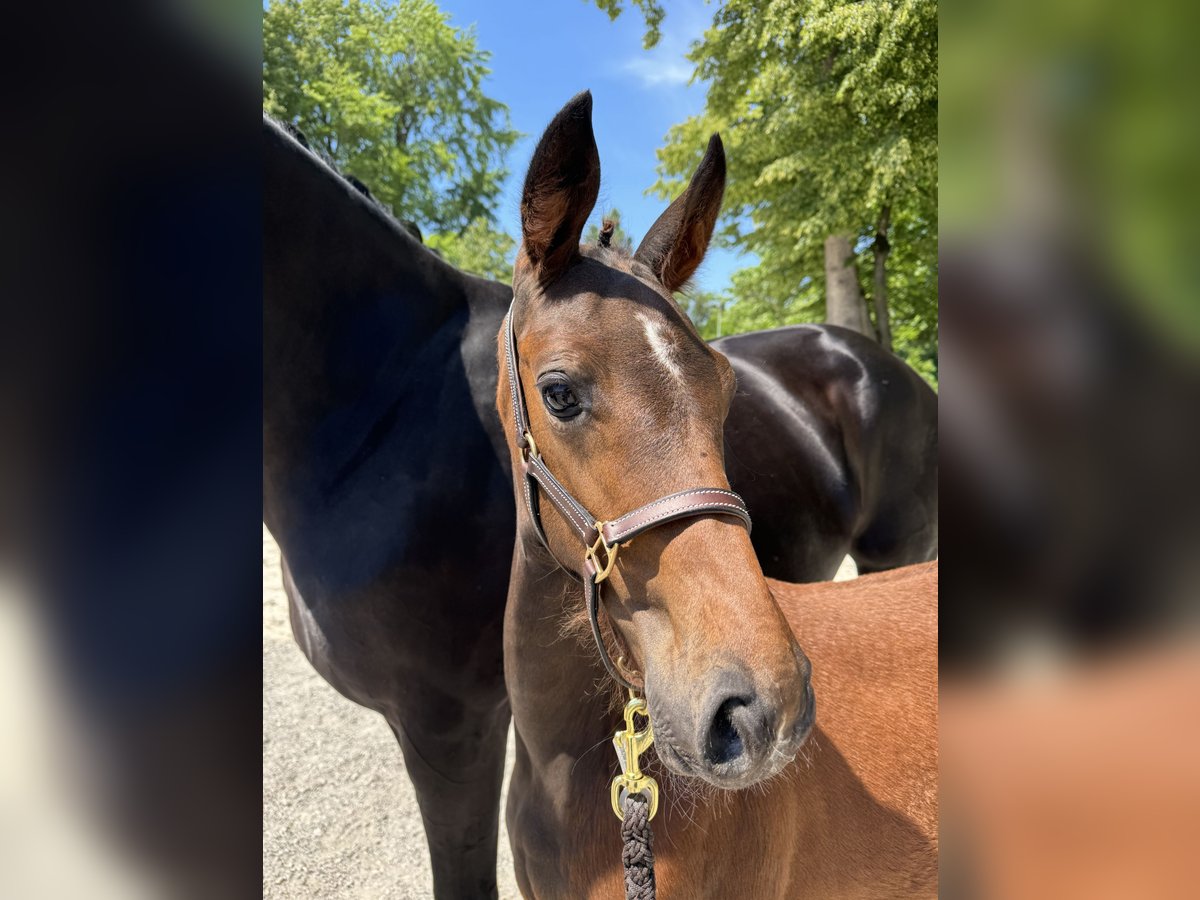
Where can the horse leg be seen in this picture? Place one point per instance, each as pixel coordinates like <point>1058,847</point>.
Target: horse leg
<point>449,713</point>
<point>454,753</point>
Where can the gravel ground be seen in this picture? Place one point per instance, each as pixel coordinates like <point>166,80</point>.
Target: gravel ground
<point>340,818</point>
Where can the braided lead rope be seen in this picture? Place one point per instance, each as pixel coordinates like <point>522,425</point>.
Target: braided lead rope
<point>637,852</point>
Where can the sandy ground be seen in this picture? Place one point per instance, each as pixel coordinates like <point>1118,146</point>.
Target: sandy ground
<point>340,818</point>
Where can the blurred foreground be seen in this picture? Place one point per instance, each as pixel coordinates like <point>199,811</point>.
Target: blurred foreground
<point>1070,336</point>
<point>130,452</point>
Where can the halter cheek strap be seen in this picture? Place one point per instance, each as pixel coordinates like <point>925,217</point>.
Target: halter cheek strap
<point>601,540</point>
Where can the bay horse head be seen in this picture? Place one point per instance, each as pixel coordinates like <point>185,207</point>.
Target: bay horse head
<point>628,403</point>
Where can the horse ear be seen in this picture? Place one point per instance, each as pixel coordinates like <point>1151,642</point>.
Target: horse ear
<point>675,244</point>
<point>560,189</point>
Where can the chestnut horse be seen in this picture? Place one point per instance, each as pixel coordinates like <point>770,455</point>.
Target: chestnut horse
<point>604,381</point>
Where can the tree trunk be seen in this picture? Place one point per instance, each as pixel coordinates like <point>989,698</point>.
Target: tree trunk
<point>881,248</point>
<point>844,303</point>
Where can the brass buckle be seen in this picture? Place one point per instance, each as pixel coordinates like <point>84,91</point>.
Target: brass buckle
<point>610,554</point>
<point>630,744</point>
<point>531,446</point>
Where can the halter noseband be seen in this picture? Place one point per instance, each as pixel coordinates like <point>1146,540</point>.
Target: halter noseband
<point>600,537</point>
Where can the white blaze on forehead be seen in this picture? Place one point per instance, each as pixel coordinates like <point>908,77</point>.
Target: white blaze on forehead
<point>661,345</point>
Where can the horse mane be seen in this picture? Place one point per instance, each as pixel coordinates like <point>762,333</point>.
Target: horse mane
<point>607,227</point>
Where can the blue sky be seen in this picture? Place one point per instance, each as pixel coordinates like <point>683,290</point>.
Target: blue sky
<point>546,51</point>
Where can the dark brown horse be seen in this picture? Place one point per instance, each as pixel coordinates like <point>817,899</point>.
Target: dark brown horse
<point>386,478</point>
<point>606,384</point>
<point>859,449</point>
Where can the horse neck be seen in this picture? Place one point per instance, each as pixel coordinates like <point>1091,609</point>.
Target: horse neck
<point>351,302</point>
<point>559,693</point>
<point>332,255</point>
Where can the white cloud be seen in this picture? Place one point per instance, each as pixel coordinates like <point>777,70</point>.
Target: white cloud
<point>667,65</point>
<point>654,73</point>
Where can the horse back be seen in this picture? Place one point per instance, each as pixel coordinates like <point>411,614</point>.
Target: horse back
<point>873,646</point>
<point>854,444</point>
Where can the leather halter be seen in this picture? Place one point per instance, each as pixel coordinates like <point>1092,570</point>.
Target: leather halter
<point>594,533</point>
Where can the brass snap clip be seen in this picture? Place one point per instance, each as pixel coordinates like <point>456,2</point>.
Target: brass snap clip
<point>630,744</point>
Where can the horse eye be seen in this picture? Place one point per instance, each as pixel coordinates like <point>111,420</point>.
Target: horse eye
<point>560,400</point>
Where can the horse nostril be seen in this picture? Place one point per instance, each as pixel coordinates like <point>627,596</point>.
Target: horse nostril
<point>724,742</point>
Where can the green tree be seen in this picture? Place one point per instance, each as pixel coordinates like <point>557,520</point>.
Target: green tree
<point>828,111</point>
<point>393,94</point>
<point>480,249</point>
<point>652,13</point>
<point>709,312</point>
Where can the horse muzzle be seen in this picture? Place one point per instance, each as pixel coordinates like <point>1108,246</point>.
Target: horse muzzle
<point>742,734</point>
